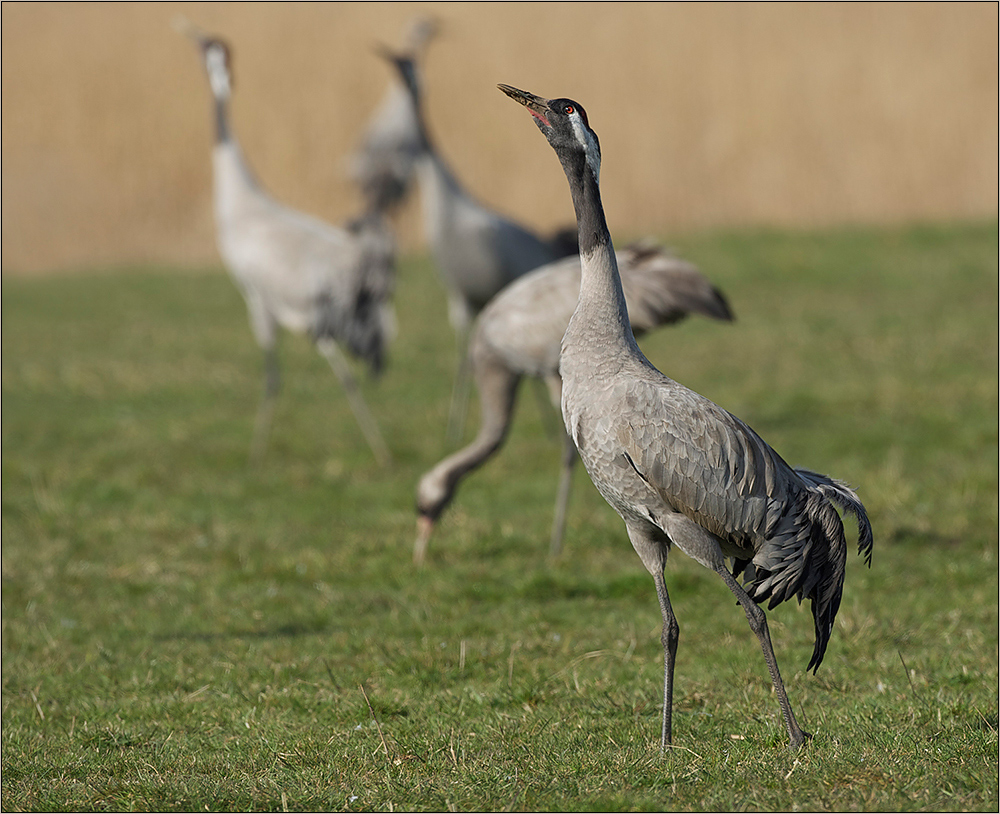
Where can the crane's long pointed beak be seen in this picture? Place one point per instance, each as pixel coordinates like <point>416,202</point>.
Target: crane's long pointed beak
<point>537,106</point>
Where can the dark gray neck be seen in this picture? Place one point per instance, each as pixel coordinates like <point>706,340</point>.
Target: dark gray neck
<point>586,193</point>
<point>426,144</point>
<point>222,131</point>
<point>434,158</point>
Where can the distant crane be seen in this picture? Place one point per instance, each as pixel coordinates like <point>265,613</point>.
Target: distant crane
<point>383,164</point>
<point>677,468</point>
<point>295,271</point>
<point>518,334</point>
<point>477,251</point>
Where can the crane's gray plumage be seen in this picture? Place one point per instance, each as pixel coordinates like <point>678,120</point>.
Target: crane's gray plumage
<point>677,468</point>
<point>383,163</point>
<point>294,270</point>
<point>477,251</point>
<point>518,334</point>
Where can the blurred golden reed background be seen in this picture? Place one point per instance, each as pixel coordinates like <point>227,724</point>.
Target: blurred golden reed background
<point>709,115</point>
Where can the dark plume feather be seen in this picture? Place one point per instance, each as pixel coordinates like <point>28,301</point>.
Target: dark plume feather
<point>358,320</point>
<point>806,555</point>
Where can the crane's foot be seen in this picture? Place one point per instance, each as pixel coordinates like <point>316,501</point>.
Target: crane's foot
<point>798,739</point>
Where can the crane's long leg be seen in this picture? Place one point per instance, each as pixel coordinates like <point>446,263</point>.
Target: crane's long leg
<point>461,389</point>
<point>562,496</point>
<point>758,624</point>
<point>262,424</point>
<point>551,420</point>
<point>365,420</point>
<point>671,633</point>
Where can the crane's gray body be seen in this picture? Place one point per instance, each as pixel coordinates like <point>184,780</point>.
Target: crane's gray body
<point>519,334</point>
<point>298,272</point>
<point>477,251</point>
<point>680,470</point>
<point>383,166</point>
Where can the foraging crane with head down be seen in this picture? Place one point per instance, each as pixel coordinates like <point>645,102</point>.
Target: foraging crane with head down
<point>518,334</point>
<point>295,271</point>
<point>678,469</point>
<point>477,251</point>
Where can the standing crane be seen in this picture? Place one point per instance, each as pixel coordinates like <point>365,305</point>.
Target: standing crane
<point>476,250</point>
<point>383,163</point>
<point>294,270</point>
<point>677,468</point>
<point>518,334</point>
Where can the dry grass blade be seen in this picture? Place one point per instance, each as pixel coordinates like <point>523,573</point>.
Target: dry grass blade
<point>378,726</point>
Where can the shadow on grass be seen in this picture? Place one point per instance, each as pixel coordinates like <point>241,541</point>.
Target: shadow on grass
<point>289,631</point>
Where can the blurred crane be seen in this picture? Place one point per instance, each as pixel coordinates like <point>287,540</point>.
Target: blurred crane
<point>518,334</point>
<point>679,469</point>
<point>477,251</point>
<point>383,164</point>
<point>296,271</point>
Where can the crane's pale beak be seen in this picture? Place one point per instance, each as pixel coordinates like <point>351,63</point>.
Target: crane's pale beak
<point>386,52</point>
<point>183,25</point>
<point>425,526</point>
<point>424,29</point>
<point>537,106</point>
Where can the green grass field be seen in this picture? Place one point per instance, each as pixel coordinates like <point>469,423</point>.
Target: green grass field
<point>183,632</point>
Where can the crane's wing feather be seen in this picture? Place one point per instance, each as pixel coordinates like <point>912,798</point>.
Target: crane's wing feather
<point>704,461</point>
<point>314,277</point>
<point>660,288</point>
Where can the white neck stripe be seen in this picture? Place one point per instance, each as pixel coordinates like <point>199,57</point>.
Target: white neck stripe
<point>590,148</point>
<point>218,73</point>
